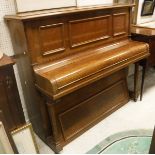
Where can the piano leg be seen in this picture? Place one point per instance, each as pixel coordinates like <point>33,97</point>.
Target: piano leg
<point>136,81</point>
<point>55,141</point>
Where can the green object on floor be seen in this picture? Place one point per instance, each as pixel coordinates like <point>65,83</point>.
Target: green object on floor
<point>128,142</point>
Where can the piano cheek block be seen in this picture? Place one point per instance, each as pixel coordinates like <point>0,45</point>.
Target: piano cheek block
<point>78,60</point>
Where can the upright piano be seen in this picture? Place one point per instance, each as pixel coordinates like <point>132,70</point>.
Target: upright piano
<point>73,66</point>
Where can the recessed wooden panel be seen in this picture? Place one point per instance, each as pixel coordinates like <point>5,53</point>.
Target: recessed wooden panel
<point>89,30</point>
<point>52,38</point>
<point>120,24</point>
<point>84,114</point>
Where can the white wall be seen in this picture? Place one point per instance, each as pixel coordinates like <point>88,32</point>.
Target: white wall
<point>93,2</point>
<point>143,19</point>
<point>8,7</point>
<point>31,5</point>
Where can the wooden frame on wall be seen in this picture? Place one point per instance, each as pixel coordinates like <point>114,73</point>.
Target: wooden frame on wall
<point>148,7</point>
<point>28,143</point>
<point>32,5</point>
<point>7,145</point>
<point>124,1</point>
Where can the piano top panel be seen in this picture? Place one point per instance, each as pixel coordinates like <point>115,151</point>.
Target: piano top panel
<point>70,10</point>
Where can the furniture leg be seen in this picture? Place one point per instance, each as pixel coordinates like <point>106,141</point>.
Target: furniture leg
<point>143,78</point>
<point>136,77</point>
<point>55,143</point>
<point>152,146</point>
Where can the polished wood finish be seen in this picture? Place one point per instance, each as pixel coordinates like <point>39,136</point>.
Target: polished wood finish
<point>83,69</point>
<point>77,60</point>
<point>68,33</point>
<point>121,27</point>
<point>99,29</point>
<point>145,35</point>
<point>73,121</point>
<point>135,29</point>
<point>76,112</point>
<point>10,102</point>
<point>57,44</point>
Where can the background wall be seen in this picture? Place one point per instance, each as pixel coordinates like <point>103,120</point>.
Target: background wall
<point>143,19</point>
<point>8,7</point>
<point>31,5</point>
<point>93,2</point>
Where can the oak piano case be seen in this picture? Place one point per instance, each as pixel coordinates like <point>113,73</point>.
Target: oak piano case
<point>77,59</point>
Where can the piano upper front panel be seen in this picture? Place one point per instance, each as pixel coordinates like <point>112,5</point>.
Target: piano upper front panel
<point>89,30</point>
<point>120,21</point>
<point>55,37</point>
<point>52,38</point>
